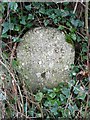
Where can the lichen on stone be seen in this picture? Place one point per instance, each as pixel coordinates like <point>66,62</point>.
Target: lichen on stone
<point>45,57</point>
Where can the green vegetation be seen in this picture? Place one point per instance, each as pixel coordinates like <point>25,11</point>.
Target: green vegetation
<point>67,100</point>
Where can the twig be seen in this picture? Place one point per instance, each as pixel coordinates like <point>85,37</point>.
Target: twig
<point>79,112</point>
<point>14,83</point>
<point>13,53</point>
<point>75,7</point>
<point>84,5</point>
<point>19,113</point>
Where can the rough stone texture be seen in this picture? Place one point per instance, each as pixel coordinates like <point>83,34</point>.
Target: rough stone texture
<point>44,57</point>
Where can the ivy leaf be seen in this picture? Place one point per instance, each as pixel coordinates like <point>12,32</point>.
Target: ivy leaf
<point>65,3</point>
<point>62,97</point>
<point>61,27</point>
<point>74,22</point>
<point>42,10</point>
<point>52,95</point>
<point>47,90</point>
<point>53,16</point>
<point>68,38</point>
<point>15,63</point>
<point>49,11</point>
<point>28,25</point>
<point>4,35</point>
<point>46,22</point>
<point>77,23</point>
<point>68,24</point>
<point>7,26</point>
<point>81,23</point>
<point>2,8</point>
<point>72,108</point>
<point>28,7</point>
<point>30,17</point>
<point>75,107</point>
<point>16,39</point>
<point>55,20</point>
<point>39,115</point>
<point>17,28</point>
<point>47,103</point>
<point>73,30</point>
<point>11,26</point>
<point>73,36</point>
<point>2,96</point>
<point>81,95</point>
<point>54,110</point>
<point>56,90</point>
<point>71,83</point>
<point>39,96</point>
<point>25,107</point>
<point>36,5</point>
<point>77,89</point>
<point>23,22</point>
<point>64,13</point>
<point>66,92</point>
<point>13,6</point>
<point>58,12</point>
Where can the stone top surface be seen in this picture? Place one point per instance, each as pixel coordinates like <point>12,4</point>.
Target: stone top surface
<point>45,57</point>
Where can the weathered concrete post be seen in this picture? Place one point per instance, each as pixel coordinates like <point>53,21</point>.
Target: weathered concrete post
<point>44,57</point>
